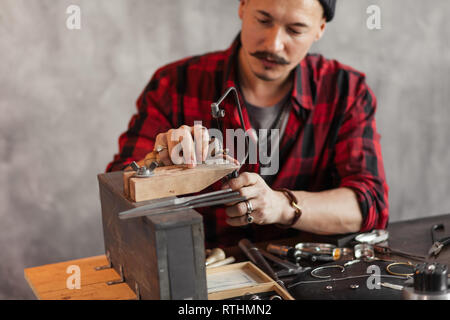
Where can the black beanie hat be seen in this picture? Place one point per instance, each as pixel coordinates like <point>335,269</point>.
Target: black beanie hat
<point>329,7</point>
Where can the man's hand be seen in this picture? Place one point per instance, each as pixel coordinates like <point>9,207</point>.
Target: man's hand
<point>269,206</point>
<point>178,145</point>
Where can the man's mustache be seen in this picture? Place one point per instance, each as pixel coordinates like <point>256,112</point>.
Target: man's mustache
<point>269,56</point>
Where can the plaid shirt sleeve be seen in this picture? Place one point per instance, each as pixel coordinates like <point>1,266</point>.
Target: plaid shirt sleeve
<point>154,116</point>
<point>358,157</point>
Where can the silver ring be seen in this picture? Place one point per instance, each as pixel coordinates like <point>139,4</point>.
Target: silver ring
<point>250,218</point>
<point>249,207</point>
<point>160,148</point>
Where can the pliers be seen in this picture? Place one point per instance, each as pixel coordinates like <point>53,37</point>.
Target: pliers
<point>438,245</point>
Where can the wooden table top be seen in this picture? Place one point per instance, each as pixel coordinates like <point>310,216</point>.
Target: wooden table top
<point>49,282</point>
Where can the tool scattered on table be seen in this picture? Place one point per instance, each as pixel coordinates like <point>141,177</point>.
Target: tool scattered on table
<point>438,244</point>
<point>391,286</point>
<point>390,251</point>
<point>288,268</point>
<point>223,262</point>
<point>215,255</point>
<point>320,252</point>
<point>253,253</point>
<point>376,241</point>
<point>374,237</point>
<point>216,258</point>
<point>218,113</point>
<point>364,251</point>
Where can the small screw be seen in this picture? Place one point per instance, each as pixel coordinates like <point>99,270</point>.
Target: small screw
<point>329,288</point>
<point>354,286</point>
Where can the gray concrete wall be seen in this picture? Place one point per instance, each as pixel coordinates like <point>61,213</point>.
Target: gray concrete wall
<point>66,95</point>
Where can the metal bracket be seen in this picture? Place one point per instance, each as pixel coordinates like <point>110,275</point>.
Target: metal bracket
<point>108,266</point>
<point>121,280</point>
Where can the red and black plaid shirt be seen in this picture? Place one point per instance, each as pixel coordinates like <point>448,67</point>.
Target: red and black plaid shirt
<point>330,139</point>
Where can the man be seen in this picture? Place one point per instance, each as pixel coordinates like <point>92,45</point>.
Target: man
<point>331,166</point>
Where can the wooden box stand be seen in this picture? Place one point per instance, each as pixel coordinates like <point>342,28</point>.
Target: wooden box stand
<point>159,256</point>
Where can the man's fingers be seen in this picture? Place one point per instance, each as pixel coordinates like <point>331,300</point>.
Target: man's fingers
<point>240,208</point>
<point>247,192</point>
<point>181,146</point>
<point>188,145</point>
<point>201,141</point>
<point>164,155</point>
<point>174,146</point>
<point>241,220</point>
<point>237,222</point>
<point>243,180</point>
<point>230,159</point>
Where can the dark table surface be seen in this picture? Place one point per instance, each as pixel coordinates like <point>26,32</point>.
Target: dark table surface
<point>411,236</point>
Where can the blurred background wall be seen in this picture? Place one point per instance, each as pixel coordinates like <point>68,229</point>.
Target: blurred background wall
<point>66,95</point>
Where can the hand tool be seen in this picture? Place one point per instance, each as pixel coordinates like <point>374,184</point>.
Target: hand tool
<point>391,286</point>
<point>289,268</point>
<point>435,228</point>
<point>283,251</point>
<point>220,263</point>
<point>437,245</point>
<point>389,251</point>
<point>322,252</point>
<point>256,257</point>
<point>364,251</point>
<point>374,237</point>
<point>183,203</point>
<point>216,254</point>
<point>218,113</point>
<point>283,263</point>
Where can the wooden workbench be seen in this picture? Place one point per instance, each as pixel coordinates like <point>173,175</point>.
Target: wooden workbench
<point>48,282</point>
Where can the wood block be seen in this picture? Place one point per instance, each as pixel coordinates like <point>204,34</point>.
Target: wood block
<point>174,180</point>
<point>49,282</point>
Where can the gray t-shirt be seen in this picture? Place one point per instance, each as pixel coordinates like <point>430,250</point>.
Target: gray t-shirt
<point>274,117</point>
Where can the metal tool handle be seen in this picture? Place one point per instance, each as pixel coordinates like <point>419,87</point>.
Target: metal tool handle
<point>388,250</point>
<point>256,257</point>
<point>283,263</point>
<point>434,228</point>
